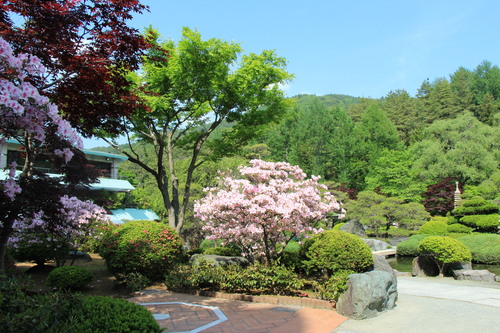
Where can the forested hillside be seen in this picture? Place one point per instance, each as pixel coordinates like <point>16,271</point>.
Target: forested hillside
<point>396,146</point>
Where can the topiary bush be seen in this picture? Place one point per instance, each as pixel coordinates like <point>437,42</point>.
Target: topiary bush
<point>459,228</point>
<point>476,206</point>
<point>145,247</point>
<point>338,226</point>
<point>223,251</point>
<point>444,250</point>
<point>485,248</point>
<point>483,223</point>
<point>409,247</point>
<point>434,228</point>
<point>69,277</point>
<point>334,251</point>
<point>107,314</point>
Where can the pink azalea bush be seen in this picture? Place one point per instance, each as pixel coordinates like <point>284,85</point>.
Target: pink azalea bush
<point>264,209</point>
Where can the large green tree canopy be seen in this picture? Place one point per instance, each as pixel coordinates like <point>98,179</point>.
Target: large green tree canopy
<point>190,89</point>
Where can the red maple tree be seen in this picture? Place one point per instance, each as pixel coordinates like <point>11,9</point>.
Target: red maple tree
<point>87,47</point>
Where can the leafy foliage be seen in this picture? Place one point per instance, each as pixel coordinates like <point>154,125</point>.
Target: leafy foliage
<point>334,251</point>
<point>444,250</point>
<point>476,206</point>
<point>439,197</point>
<point>409,247</point>
<point>145,247</point>
<point>437,228</point>
<point>482,223</point>
<point>69,277</point>
<point>485,248</point>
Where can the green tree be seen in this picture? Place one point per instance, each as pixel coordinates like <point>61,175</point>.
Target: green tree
<point>190,89</point>
<point>403,111</point>
<point>392,173</point>
<point>462,148</point>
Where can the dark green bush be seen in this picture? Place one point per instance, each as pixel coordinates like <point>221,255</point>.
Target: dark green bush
<point>69,312</point>
<point>290,255</point>
<point>145,247</point>
<point>334,251</point>
<point>483,223</point>
<point>476,206</point>
<point>400,232</point>
<point>459,228</point>
<point>444,250</point>
<point>223,251</point>
<point>409,247</point>
<point>107,314</point>
<point>485,248</point>
<point>260,279</point>
<point>42,251</point>
<point>434,228</point>
<point>69,277</point>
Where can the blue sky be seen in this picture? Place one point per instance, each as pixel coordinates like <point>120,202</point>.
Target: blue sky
<point>358,48</point>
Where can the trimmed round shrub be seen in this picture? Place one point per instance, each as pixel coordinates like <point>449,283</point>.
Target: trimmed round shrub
<point>444,250</point>
<point>485,248</point>
<point>459,228</point>
<point>409,247</point>
<point>146,247</point>
<point>107,314</point>
<point>483,223</point>
<point>335,251</point>
<point>338,226</point>
<point>434,228</point>
<point>476,206</point>
<point>69,277</point>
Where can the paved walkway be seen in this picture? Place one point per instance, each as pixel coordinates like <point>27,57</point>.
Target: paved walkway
<point>436,305</point>
<point>189,313</point>
<point>424,305</point>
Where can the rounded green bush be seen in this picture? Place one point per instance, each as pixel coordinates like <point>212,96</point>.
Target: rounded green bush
<point>483,223</point>
<point>434,228</point>
<point>409,247</point>
<point>107,314</point>
<point>146,247</point>
<point>69,277</point>
<point>459,228</point>
<point>485,248</point>
<point>444,250</point>
<point>338,226</point>
<point>334,251</point>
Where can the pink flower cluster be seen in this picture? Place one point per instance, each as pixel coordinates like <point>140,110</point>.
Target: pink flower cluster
<point>24,112</point>
<point>81,221</point>
<point>270,204</point>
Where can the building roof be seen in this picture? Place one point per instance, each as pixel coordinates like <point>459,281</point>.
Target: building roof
<point>120,216</point>
<point>107,184</point>
<point>101,153</point>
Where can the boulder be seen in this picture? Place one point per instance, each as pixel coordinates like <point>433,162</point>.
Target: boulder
<point>375,244</point>
<point>354,227</point>
<point>457,266</point>
<point>474,275</point>
<point>424,266</point>
<point>368,294</point>
<point>380,264</point>
<point>218,260</point>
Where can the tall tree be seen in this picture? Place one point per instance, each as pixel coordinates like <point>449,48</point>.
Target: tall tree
<point>402,109</point>
<point>189,94</point>
<point>462,148</point>
<point>86,47</point>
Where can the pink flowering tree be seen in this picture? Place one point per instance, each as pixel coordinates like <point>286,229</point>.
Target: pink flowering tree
<point>264,209</point>
<point>28,117</point>
<point>36,239</point>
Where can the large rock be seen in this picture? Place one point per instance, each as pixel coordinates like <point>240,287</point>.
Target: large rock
<point>354,227</point>
<point>474,275</point>
<point>368,294</point>
<point>375,244</point>
<point>424,266</point>
<point>380,264</point>
<point>457,266</point>
<point>218,260</point>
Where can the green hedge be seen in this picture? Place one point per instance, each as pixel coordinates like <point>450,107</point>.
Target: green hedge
<point>485,248</point>
<point>459,228</point>
<point>409,247</point>
<point>69,277</point>
<point>476,206</point>
<point>146,247</point>
<point>223,251</point>
<point>483,223</point>
<point>335,251</point>
<point>434,228</point>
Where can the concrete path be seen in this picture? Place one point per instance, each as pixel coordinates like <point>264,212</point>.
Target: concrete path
<point>436,305</point>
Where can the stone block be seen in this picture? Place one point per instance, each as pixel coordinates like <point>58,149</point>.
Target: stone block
<point>474,275</point>
<point>354,227</point>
